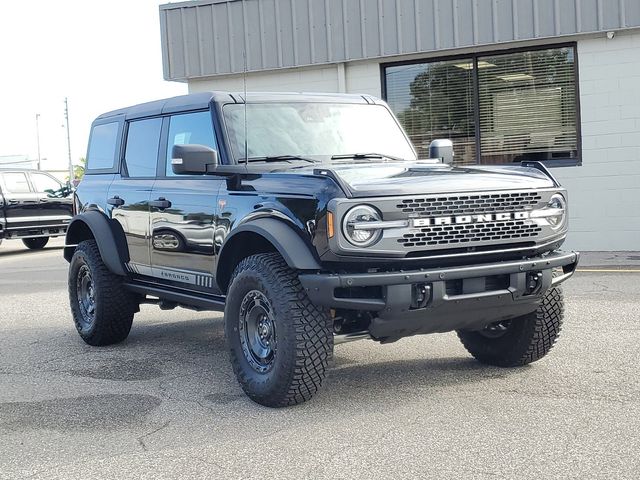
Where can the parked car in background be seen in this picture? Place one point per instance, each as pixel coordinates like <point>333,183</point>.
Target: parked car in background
<point>34,206</point>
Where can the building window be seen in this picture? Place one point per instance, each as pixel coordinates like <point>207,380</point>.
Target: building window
<point>496,108</point>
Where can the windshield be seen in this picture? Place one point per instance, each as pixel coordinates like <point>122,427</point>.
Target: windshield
<point>315,129</point>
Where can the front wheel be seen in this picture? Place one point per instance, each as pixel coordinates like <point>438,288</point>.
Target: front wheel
<point>519,341</point>
<point>280,342</point>
<point>37,243</point>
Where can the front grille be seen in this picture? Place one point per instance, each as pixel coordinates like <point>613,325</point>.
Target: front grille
<point>469,204</point>
<point>470,233</point>
<point>460,223</point>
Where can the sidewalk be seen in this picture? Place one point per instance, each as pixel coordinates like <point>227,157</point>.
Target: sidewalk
<point>609,260</point>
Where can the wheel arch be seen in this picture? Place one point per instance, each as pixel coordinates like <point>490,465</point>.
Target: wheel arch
<point>108,235</point>
<point>262,236</point>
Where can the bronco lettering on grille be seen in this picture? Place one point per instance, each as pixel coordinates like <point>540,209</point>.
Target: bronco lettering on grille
<point>466,219</point>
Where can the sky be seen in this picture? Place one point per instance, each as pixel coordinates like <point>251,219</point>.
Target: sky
<point>102,55</point>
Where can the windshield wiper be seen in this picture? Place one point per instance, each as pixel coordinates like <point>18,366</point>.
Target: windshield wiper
<point>366,155</point>
<point>276,158</point>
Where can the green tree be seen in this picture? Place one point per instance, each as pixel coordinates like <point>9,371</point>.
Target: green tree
<point>78,170</point>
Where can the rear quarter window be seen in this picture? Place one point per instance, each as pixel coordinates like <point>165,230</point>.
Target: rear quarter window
<point>102,146</point>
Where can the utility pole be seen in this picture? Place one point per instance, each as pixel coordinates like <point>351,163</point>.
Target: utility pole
<point>66,117</point>
<point>38,137</point>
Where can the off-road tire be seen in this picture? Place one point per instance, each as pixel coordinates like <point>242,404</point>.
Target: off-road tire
<point>303,333</point>
<point>527,338</point>
<point>37,243</point>
<point>114,305</point>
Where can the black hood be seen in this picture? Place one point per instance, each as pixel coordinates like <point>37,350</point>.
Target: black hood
<point>391,178</point>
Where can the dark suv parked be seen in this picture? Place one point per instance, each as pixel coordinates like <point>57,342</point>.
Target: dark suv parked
<point>309,220</point>
<point>34,206</point>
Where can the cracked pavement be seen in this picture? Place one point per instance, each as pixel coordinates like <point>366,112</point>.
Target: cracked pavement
<point>165,404</point>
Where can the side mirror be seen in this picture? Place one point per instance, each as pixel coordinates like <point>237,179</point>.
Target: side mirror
<point>193,159</point>
<point>442,149</point>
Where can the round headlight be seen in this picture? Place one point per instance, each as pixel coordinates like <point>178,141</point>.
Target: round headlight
<point>558,206</point>
<point>355,228</point>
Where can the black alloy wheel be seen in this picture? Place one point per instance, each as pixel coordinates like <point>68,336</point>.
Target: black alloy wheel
<point>86,295</point>
<point>257,331</point>
<point>37,243</point>
<point>495,330</point>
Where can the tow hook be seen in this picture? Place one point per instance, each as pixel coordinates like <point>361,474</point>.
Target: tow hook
<point>533,283</point>
<point>420,296</point>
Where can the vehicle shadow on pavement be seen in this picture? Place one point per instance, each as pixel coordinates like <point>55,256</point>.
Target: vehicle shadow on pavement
<point>202,343</point>
<point>188,361</point>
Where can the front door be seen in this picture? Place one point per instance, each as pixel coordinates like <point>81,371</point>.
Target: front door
<point>128,198</point>
<point>54,199</point>
<point>183,212</point>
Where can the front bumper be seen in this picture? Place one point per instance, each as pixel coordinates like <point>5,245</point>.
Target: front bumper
<point>445,299</point>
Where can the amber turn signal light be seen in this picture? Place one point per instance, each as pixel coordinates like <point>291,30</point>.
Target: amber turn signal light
<point>330,231</point>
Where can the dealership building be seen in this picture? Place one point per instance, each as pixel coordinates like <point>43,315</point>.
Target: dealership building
<point>557,81</point>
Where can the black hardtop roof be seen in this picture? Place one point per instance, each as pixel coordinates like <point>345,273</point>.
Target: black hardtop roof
<point>197,101</point>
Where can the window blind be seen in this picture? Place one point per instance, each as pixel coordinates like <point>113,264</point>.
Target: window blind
<point>435,100</point>
<point>527,106</point>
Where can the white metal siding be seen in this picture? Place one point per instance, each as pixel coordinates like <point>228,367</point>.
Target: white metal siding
<point>206,38</point>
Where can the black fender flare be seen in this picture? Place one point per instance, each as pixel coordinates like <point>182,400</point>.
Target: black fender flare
<point>283,237</point>
<point>107,233</point>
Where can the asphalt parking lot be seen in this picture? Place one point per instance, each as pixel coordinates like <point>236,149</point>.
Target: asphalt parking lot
<point>165,404</point>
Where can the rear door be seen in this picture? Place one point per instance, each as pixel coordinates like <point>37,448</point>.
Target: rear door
<point>21,207</point>
<point>128,197</point>
<point>184,210</point>
<point>54,199</point>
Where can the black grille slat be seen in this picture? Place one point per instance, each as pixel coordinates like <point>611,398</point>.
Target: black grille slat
<point>469,234</point>
<point>469,204</point>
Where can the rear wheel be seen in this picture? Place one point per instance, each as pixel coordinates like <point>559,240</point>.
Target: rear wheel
<point>37,243</point>
<point>280,342</point>
<point>521,340</point>
<point>102,308</point>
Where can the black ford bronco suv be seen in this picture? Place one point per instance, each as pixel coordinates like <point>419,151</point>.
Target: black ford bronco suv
<point>34,206</point>
<point>310,221</point>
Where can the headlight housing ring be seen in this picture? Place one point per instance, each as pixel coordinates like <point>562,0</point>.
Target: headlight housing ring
<point>354,226</point>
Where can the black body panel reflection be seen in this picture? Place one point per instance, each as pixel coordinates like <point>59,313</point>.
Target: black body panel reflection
<point>182,229</point>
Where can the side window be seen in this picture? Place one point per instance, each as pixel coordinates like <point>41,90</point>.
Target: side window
<point>16,183</point>
<point>189,128</point>
<point>44,183</point>
<point>102,146</point>
<point>141,153</point>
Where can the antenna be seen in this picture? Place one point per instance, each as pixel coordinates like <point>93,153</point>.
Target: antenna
<point>246,138</point>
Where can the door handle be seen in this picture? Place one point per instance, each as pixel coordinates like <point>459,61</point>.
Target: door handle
<point>115,201</point>
<point>160,203</point>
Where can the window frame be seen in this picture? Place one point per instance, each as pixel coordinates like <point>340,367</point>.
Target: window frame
<point>116,157</point>
<point>123,169</point>
<point>3,183</point>
<point>473,56</point>
<point>5,189</point>
<point>164,142</point>
<point>34,174</point>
